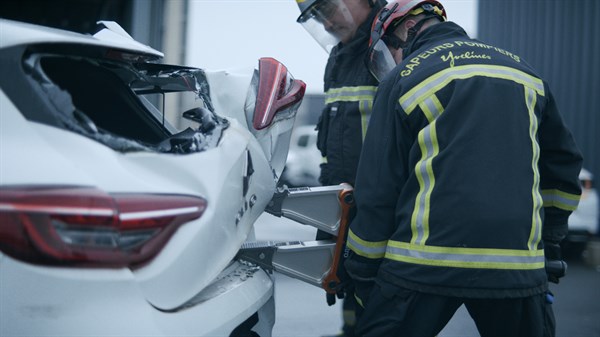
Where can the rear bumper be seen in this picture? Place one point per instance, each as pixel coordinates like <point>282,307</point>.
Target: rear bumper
<point>42,301</point>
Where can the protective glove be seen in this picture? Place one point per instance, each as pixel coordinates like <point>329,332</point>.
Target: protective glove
<point>555,266</point>
<point>346,286</point>
<point>362,272</point>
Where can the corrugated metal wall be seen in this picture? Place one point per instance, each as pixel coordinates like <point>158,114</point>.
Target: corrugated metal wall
<point>561,39</point>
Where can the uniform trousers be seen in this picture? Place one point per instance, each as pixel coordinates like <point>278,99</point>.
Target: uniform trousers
<point>394,311</point>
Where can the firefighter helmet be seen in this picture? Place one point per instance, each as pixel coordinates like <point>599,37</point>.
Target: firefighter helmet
<point>304,5</point>
<point>380,59</point>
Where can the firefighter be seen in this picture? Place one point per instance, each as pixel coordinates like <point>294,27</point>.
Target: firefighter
<point>342,28</point>
<point>466,180</point>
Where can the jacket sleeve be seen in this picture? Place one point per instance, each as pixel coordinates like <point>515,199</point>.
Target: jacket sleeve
<point>559,164</point>
<point>380,177</point>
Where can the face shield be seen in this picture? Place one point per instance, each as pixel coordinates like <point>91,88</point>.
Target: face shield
<point>380,60</point>
<point>329,22</point>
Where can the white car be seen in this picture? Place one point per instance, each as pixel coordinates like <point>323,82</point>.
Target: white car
<point>303,163</point>
<point>118,218</point>
<point>583,222</point>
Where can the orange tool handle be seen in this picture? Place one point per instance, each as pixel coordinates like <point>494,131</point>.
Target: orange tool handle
<point>346,197</point>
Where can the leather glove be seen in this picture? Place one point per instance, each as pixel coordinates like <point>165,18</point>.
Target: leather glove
<point>555,266</point>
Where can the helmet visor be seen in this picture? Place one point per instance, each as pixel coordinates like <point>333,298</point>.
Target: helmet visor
<point>329,22</point>
<point>380,61</point>
<point>318,32</point>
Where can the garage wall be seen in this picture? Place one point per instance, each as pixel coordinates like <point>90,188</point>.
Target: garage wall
<point>76,15</point>
<point>560,38</point>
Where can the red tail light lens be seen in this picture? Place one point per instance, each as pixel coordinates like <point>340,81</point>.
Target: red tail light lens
<point>86,226</point>
<point>276,92</point>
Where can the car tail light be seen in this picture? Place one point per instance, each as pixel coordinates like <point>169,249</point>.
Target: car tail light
<point>87,227</point>
<point>277,90</point>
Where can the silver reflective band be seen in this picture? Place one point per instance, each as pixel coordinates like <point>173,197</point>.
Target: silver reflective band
<point>481,258</point>
<point>424,173</point>
<point>373,250</point>
<point>536,221</point>
<point>560,199</point>
<point>431,85</point>
<point>350,94</point>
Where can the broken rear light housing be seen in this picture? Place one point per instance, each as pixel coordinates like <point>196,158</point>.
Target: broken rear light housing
<point>277,91</point>
<point>83,226</point>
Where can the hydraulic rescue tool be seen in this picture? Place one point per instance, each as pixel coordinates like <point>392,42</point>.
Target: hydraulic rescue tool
<point>326,208</point>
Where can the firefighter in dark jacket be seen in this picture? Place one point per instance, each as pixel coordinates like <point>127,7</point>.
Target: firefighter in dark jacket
<point>343,28</point>
<point>466,180</point>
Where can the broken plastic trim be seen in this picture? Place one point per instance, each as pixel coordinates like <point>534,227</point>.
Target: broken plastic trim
<point>159,78</point>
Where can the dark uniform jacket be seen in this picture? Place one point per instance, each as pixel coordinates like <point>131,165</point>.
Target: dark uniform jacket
<point>467,166</point>
<point>349,91</point>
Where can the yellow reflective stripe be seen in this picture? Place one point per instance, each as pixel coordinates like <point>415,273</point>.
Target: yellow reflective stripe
<point>370,249</point>
<point>349,316</point>
<point>365,108</point>
<point>536,222</point>
<point>358,300</point>
<point>410,100</point>
<point>428,143</point>
<point>350,94</point>
<point>460,257</point>
<point>559,199</point>
<point>432,108</point>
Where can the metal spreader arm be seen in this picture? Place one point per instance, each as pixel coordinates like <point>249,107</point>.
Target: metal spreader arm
<point>326,208</point>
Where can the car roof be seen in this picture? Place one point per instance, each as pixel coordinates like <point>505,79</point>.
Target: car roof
<point>13,33</point>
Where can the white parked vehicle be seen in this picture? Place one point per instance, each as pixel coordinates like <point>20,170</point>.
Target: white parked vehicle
<point>303,163</point>
<point>117,216</point>
<point>583,222</point>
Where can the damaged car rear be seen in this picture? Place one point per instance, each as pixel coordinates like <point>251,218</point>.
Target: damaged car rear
<point>128,186</point>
